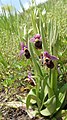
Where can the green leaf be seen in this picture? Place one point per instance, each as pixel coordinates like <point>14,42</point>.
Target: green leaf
<point>50,91</point>
<point>61,96</point>
<point>32,95</point>
<point>43,91</point>
<point>50,106</point>
<point>60,100</point>
<point>63,88</point>
<point>33,17</point>
<point>45,112</point>
<point>43,37</point>
<point>46,90</point>
<point>54,118</point>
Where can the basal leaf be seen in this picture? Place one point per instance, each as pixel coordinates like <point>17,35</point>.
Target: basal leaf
<point>61,96</point>
<point>60,100</point>
<point>33,96</point>
<point>63,88</point>
<point>50,107</point>
<point>50,104</point>
<point>45,112</point>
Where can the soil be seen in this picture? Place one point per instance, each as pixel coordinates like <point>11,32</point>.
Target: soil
<point>8,113</point>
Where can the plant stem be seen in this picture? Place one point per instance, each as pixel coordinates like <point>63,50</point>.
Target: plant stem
<point>54,74</point>
<point>50,77</point>
<point>54,80</point>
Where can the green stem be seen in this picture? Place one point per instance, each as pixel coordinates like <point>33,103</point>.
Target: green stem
<point>54,74</point>
<point>54,80</point>
<point>50,77</point>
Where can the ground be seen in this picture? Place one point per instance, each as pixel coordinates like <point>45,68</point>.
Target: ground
<point>11,113</point>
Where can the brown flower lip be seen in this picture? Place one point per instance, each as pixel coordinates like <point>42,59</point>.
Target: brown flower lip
<point>49,59</point>
<point>38,44</point>
<point>49,63</point>
<point>27,54</point>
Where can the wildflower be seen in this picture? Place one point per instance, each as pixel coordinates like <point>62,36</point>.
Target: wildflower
<point>24,50</point>
<point>37,41</point>
<point>49,60</point>
<point>49,63</point>
<point>52,57</point>
<point>30,79</point>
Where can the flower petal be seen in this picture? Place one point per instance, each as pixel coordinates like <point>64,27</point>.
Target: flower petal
<point>32,39</point>
<point>22,45</point>
<point>31,80</point>
<point>21,52</point>
<point>37,36</point>
<point>29,75</point>
<point>52,57</point>
<point>46,54</point>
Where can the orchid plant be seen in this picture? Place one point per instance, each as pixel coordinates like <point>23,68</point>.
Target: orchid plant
<point>43,47</point>
<point>47,96</point>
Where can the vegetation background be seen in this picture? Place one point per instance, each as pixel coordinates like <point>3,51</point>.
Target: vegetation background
<point>16,27</point>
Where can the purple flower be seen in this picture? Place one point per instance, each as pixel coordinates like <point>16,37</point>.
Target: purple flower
<point>48,60</point>
<point>29,75</point>
<point>37,41</point>
<point>52,57</point>
<point>32,39</point>
<point>37,36</point>
<point>22,45</point>
<point>49,63</point>
<point>30,79</point>
<point>24,50</point>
